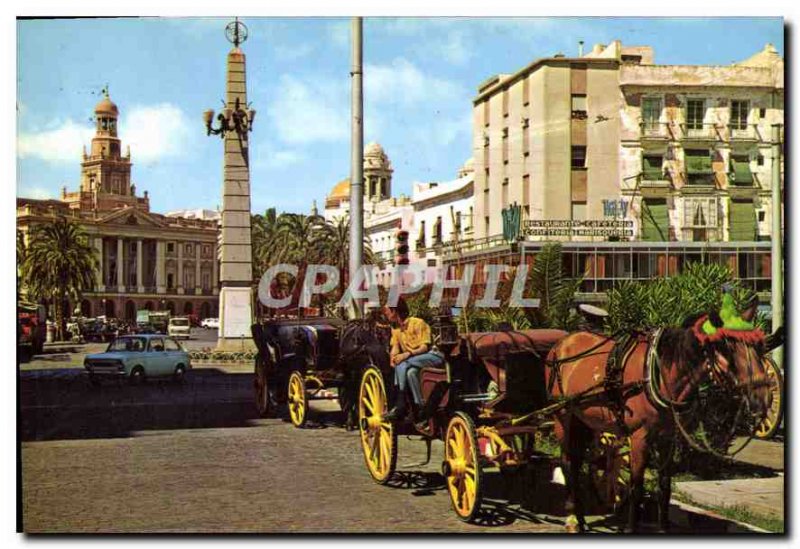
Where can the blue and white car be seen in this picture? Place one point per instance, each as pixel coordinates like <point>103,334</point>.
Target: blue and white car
<point>138,357</point>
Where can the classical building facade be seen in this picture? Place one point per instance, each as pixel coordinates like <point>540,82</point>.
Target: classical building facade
<point>637,168</point>
<point>146,260</point>
<point>436,214</point>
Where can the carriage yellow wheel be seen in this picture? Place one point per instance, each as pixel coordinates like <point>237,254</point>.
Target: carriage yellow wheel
<point>772,420</point>
<point>298,399</point>
<point>462,468</point>
<point>378,437</point>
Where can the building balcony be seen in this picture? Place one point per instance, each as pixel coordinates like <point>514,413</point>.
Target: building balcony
<point>745,133</point>
<point>694,132</point>
<point>656,131</point>
<point>701,233</point>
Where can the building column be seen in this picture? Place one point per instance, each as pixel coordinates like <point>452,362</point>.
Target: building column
<point>179,283</point>
<point>139,267</point>
<point>160,264</point>
<point>198,286</point>
<point>120,266</point>
<point>215,271</point>
<point>98,245</point>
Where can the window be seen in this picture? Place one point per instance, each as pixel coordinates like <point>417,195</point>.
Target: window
<point>526,146</point>
<point>432,262</point>
<point>651,113</point>
<point>762,113</point>
<point>206,281</point>
<point>739,112</point>
<point>437,231</point>
<point>486,199</point>
<point>762,216</point>
<point>652,168</point>
<point>740,173</point>
<point>700,220</point>
<point>171,345</point>
<point>505,193</point>
<point>486,225</point>
<point>698,167</point>
<point>505,103</point>
<point>486,113</point>
<point>206,249</point>
<point>421,235</point>
<point>156,345</point>
<point>695,112</point>
<point>578,157</point>
<point>170,281</point>
<point>579,110</point>
<point>526,189</point>
<point>170,247</point>
<point>505,145</point>
<point>525,92</point>
<point>188,249</point>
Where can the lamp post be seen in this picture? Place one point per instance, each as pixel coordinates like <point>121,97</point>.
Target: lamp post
<point>234,125</point>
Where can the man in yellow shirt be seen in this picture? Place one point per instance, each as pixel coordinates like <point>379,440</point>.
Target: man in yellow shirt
<point>411,350</point>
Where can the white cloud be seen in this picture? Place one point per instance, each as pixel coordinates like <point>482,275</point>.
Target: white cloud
<point>63,143</point>
<point>310,111</point>
<point>339,32</point>
<point>156,131</point>
<point>402,82</point>
<point>292,52</point>
<point>38,193</point>
<point>153,132</point>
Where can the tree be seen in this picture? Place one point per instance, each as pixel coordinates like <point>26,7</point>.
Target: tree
<point>59,266</point>
<point>333,248</point>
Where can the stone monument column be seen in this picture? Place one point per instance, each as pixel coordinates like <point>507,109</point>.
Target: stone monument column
<point>236,276</point>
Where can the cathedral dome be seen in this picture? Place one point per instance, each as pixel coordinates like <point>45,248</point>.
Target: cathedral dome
<point>106,106</point>
<point>374,149</point>
<point>341,189</point>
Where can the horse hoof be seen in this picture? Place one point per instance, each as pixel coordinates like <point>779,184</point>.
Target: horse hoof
<point>573,529</point>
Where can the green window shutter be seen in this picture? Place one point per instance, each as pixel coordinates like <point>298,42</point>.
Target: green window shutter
<point>651,170</point>
<point>742,218</point>
<point>741,172</point>
<point>699,164</point>
<point>655,220</point>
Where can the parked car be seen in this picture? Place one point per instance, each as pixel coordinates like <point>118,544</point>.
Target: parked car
<point>179,327</point>
<point>137,358</point>
<point>210,323</point>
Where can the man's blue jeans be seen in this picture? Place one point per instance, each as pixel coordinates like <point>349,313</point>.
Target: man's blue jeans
<point>407,374</point>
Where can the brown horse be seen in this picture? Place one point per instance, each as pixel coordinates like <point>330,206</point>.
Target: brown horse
<point>643,409</point>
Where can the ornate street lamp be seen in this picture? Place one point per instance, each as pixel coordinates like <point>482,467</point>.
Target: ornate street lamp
<point>232,119</point>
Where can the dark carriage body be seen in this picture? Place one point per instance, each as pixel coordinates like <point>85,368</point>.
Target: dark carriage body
<point>492,374</point>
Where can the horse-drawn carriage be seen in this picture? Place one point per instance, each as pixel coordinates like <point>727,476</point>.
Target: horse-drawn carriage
<point>606,398</point>
<point>613,403</point>
<point>488,380</point>
<point>307,359</point>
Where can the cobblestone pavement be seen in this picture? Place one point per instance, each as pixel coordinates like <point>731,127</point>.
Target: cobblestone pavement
<point>194,458</point>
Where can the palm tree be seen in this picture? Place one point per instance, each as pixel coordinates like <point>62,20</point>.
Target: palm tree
<point>59,265</point>
<point>301,233</point>
<point>333,248</point>
<point>267,247</point>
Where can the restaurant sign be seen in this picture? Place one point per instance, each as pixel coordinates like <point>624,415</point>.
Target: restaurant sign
<point>620,228</point>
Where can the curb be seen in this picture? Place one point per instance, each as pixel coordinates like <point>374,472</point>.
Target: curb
<point>700,511</point>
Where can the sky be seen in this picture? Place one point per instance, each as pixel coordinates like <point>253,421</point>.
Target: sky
<point>420,76</point>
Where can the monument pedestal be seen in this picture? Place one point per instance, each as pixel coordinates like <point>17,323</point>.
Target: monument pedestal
<point>235,319</point>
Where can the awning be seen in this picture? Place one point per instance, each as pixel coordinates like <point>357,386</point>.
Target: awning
<point>651,168</point>
<point>655,220</point>
<point>742,221</point>
<point>741,174</point>
<point>699,164</point>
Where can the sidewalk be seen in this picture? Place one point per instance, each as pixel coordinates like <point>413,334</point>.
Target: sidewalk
<point>760,496</point>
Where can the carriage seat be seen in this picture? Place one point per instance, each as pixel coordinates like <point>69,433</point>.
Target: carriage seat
<point>495,346</point>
